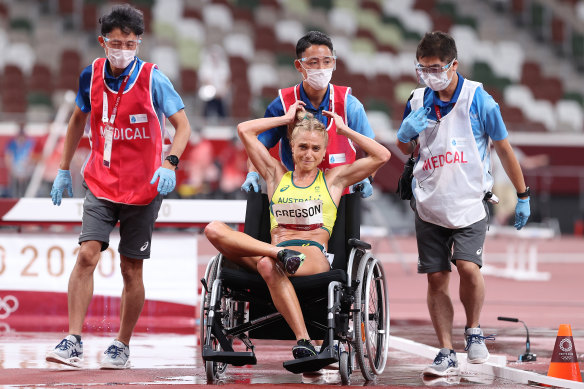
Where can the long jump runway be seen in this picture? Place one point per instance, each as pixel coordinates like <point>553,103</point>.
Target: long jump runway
<point>173,359</point>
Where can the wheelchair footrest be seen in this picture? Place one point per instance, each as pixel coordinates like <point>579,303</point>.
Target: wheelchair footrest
<point>235,358</point>
<point>308,364</point>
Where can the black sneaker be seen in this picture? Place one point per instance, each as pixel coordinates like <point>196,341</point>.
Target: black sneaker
<point>290,260</point>
<point>303,349</point>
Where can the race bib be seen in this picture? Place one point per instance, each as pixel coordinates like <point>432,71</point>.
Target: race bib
<point>303,215</point>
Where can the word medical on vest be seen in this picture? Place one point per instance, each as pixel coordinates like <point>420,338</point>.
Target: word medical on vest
<point>127,133</point>
<point>299,215</point>
<point>440,160</point>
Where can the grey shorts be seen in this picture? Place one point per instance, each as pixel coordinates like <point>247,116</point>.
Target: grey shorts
<point>438,246</point>
<point>136,224</point>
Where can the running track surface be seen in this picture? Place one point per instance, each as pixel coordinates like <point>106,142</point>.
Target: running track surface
<point>171,359</point>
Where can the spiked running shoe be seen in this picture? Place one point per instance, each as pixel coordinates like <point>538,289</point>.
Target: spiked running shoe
<point>117,356</point>
<point>290,260</point>
<point>303,349</point>
<point>68,352</point>
<point>475,346</point>
<point>444,364</point>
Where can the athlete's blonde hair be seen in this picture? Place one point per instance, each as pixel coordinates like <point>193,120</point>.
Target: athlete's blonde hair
<point>306,121</point>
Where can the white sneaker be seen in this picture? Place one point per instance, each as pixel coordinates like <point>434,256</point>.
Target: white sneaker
<point>444,364</point>
<point>68,352</point>
<point>475,345</point>
<point>117,356</point>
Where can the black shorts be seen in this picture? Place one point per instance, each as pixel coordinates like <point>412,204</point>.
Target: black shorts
<point>439,246</point>
<point>136,224</point>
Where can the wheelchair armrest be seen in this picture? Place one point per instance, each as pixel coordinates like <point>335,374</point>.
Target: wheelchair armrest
<point>353,242</point>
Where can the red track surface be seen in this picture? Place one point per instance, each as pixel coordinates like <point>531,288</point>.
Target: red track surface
<point>170,359</point>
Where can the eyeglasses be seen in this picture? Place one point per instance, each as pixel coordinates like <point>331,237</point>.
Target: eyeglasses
<point>118,44</point>
<point>319,62</point>
<point>435,69</point>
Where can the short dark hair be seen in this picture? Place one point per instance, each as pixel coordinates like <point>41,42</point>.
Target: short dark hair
<point>313,38</point>
<point>437,44</point>
<point>125,17</point>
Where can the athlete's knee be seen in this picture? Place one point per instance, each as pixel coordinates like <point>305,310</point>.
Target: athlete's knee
<point>268,270</point>
<point>214,231</point>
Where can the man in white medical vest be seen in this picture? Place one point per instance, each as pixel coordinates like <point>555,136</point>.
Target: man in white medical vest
<point>453,120</point>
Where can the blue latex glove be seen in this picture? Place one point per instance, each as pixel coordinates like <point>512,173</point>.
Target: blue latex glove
<point>522,212</point>
<point>413,124</point>
<point>62,182</point>
<point>364,187</point>
<point>251,182</point>
<point>166,180</point>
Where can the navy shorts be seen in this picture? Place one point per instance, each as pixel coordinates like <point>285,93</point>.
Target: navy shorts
<point>136,224</point>
<point>439,246</point>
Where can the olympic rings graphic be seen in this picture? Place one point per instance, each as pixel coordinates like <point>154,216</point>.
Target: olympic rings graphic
<point>8,304</point>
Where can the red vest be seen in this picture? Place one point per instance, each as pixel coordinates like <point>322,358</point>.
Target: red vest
<point>137,140</point>
<point>340,149</point>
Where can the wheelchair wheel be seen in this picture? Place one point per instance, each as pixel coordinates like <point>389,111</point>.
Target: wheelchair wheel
<point>214,370</point>
<point>372,320</point>
<point>210,275</point>
<point>344,368</point>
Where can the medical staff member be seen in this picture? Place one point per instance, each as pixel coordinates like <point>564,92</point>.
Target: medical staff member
<point>126,174</point>
<point>452,120</point>
<point>316,62</point>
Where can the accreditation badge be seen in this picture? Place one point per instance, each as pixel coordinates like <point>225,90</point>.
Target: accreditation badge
<point>107,145</point>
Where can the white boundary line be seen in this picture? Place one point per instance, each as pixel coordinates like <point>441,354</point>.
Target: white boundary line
<point>496,365</point>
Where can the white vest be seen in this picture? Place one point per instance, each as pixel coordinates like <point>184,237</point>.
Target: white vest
<point>450,183</point>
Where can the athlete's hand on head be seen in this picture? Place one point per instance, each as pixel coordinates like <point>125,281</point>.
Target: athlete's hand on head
<point>62,182</point>
<point>290,116</point>
<point>522,212</point>
<point>339,122</point>
<point>251,182</point>
<point>413,124</point>
<point>166,180</point>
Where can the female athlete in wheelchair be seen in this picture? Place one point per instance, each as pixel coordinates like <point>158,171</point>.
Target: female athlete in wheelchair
<point>303,209</point>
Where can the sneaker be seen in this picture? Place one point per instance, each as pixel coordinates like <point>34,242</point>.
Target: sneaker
<point>68,352</point>
<point>117,356</point>
<point>290,260</point>
<point>444,364</point>
<point>475,346</point>
<point>303,349</point>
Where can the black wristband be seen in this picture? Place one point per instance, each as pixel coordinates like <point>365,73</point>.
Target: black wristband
<point>527,193</point>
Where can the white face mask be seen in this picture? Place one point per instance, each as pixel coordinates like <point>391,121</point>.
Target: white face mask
<point>436,82</point>
<point>318,78</point>
<point>119,58</point>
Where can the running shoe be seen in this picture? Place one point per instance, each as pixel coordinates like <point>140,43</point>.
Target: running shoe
<point>290,260</point>
<point>68,352</point>
<point>303,349</point>
<point>475,345</point>
<point>444,364</point>
<point>117,356</point>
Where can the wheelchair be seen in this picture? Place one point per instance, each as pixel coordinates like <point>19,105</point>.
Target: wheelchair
<point>348,304</point>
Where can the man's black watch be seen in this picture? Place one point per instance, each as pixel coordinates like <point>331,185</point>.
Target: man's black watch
<point>527,193</point>
<point>173,159</point>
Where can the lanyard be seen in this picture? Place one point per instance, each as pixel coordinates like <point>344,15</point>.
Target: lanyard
<point>109,133</point>
<point>438,114</point>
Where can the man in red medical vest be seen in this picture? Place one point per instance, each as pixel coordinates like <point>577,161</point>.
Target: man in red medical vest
<point>316,62</point>
<point>126,174</point>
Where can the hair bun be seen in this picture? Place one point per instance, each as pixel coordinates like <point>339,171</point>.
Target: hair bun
<point>304,115</point>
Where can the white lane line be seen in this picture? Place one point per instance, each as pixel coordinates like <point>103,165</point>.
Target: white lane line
<point>496,366</point>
